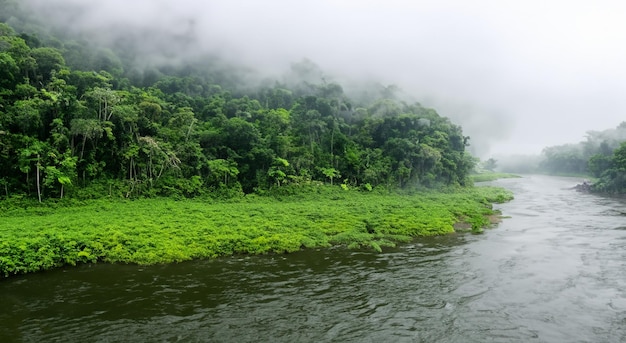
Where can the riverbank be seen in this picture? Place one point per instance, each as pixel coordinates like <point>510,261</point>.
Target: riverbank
<point>482,177</point>
<point>152,231</point>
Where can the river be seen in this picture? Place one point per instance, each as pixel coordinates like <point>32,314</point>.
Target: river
<point>553,271</point>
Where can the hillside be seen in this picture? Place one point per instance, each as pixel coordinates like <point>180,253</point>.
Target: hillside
<point>82,121</point>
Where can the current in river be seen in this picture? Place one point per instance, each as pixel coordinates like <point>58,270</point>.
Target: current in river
<point>553,271</point>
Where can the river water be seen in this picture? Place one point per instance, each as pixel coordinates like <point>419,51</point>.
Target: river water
<point>555,271</point>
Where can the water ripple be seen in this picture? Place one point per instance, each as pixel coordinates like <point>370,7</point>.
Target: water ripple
<point>555,271</point>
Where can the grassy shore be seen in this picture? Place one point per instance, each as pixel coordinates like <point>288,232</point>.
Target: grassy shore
<point>481,177</point>
<point>151,231</point>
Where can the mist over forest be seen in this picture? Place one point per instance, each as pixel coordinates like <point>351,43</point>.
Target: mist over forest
<point>571,157</point>
<point>504,91</point>
<point>502,71</point>
<point>96,107</point>
<point>250,42</point>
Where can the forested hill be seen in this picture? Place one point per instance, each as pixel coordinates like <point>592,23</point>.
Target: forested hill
<point>77,120</point>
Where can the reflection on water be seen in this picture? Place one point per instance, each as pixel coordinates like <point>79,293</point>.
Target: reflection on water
<point>553,272</point>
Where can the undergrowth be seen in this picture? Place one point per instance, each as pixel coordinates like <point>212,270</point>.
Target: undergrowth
<point>36,237</point>
<point>482,177</point>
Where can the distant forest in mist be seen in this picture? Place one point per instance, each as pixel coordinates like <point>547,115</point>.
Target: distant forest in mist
<point>82,120</point>
<point>601,155</point>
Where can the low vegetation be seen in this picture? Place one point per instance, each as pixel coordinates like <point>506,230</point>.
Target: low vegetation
<point>490,176</point>
<point>152,231</point>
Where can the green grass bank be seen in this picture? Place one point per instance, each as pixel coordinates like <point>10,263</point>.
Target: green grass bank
<point>152,231</point>
<point>482,177</point>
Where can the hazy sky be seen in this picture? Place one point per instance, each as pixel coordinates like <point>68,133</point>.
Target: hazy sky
<point>517,75</point>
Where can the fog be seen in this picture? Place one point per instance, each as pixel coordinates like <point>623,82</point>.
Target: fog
<point>517,75</point>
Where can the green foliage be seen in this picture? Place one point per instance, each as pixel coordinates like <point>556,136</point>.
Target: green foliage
<point>92,122</point>
<point>482,177</point>
<point>598,164</point>
<point>37,237</point>
<point>330,173</point>
<point>612,172</point>
<point>592,156</point>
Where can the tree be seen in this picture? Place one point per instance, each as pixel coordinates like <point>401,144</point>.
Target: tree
<point>89,129</point>
<point>330,173</point>
<point>490,164</point>
<point>619,158</point>
<point>31,155</point>
<point>279,169</point>
<point>598,164</point>
<point>48,61</point>
<point>160,157</point>
<point>566,158</point>
<point>9,71</point>
<point>60,172</point>
<point>106,100</point>
<point>222,170</point>
<point>613,178</point>
<point>26,117</point>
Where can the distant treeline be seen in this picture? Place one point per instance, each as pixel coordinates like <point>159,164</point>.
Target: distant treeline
<point>80,121</point>
<point>601,155</point>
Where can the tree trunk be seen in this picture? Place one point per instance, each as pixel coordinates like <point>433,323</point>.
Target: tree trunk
<point>130,170</point>
<point>38,186</point>
<point>189,130</point>
<point>332,146</point>
<point>82,151</point>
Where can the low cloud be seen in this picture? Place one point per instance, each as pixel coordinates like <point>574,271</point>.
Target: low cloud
<point>517,76</point>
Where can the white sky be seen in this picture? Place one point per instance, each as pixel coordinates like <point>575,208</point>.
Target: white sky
<point>517,75</point>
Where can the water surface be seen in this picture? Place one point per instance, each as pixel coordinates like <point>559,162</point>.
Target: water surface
<point>555,271</point>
